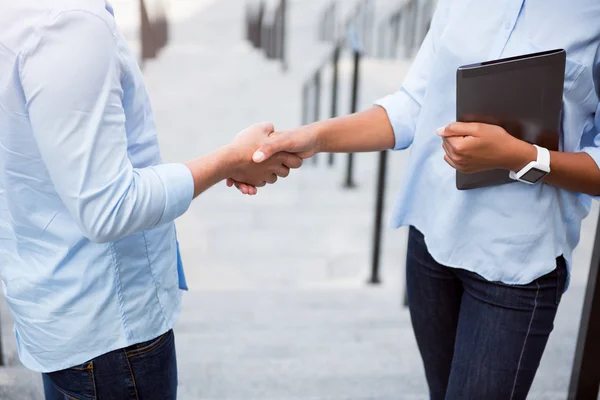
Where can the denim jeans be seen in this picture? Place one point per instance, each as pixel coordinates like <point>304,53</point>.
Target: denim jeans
<point>478,339</point>
<point>145,371</point>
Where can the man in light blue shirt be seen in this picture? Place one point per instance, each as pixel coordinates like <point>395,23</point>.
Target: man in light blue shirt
<point>88,253</point>
<point>486,267</point>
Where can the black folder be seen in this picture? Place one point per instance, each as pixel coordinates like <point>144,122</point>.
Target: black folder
<point>521,94</point>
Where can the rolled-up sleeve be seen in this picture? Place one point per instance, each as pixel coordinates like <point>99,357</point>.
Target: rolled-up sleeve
<point>71,79</point>
<point>593,149</point>
<point>178,185</point>
<point>404,106</point>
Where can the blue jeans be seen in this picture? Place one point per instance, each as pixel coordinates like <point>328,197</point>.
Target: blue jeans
<point>145,371</point>
<point>478,339</point>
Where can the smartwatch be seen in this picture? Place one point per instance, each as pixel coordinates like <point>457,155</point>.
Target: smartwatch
<point>535,171</point>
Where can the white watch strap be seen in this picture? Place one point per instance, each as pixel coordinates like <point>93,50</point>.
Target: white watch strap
<point>543,156</point>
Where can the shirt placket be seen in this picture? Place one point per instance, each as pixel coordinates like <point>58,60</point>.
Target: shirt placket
<point>511,15</point>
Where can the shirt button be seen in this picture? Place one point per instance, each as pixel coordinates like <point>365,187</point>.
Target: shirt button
<point>507,25</point>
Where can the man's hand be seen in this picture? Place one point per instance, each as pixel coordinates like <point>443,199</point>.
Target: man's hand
<point>235,161</point>
<point>301,141</point>
<point>258,175</point>
<point>475,147</point>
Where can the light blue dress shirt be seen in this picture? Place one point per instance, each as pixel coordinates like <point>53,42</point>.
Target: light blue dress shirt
<point>88,252</point>
<point>511,233</point>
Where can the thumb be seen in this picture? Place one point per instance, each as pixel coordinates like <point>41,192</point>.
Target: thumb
<point>267,127</point>
<point>269,148</point>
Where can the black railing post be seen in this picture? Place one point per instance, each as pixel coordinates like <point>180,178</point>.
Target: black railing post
<point>334,90</point>
<point>148,44</point>
<point>585,378</point>
<point>395,21</point>
<point>327,28</point>
<point>410,28</point>
<point>317,103</point>
<point>381,41</point>
<point>349,182</point>
<point>369,22</point>
<point>282,34</point>
<point>305,93</point>
<point>333,23</point>
<point>375,278</point>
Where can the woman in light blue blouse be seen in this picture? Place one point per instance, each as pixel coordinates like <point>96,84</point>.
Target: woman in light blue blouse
<point>486,268</point>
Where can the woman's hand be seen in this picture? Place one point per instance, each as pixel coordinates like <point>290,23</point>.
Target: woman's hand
<point>301,141</point>
<point>476,147</point>
<point>257,175</point>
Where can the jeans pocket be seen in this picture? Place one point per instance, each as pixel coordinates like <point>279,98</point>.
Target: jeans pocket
<point>153,368</point>
<point>76,383</point>
<point>146,347</point>
<point>561,277</point>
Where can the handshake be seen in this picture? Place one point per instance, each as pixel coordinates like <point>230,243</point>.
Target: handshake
<point>261,156</point>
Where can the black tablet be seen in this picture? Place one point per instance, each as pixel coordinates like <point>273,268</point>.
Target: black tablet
<point>521,94</point>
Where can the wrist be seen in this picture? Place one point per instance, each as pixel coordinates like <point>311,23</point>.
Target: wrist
<point>230,159</point>
<point>519,155</point>
<point>319,131</point>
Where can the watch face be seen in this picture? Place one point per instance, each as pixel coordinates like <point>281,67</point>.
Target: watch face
<point>534,175</point>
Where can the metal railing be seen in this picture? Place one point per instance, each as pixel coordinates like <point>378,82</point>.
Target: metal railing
<point>401,34</point>
<point>358,27</point>
<point>360,19</point>
<point>328,29</point>
<point>154,32</point>
<point>312,94</point>
<point>359,24</point>
<point>266,29</point>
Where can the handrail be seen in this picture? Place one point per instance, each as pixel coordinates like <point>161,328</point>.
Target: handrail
<point>154,34</point>
<point>327,24</point>
<point>266,33</point>
<point>406,17</point>
<point>406,26</point>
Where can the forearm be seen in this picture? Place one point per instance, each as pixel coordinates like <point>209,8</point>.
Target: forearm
<point>576,172</point>
<point>365,131</point>
<point>212,168</point>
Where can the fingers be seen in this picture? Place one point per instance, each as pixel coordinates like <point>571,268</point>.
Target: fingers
<point>450,162</point>
<point>448,148</point>
<point>453,154</point>
<point>462,129</point>
<point>457,129</point>
<point>271,179</point>
<point>268,127</point>
<point>288,159</point>
<point>265,127</point>
<point>282,171</point>
<point>276,144</point>
<point>242,187</point>
<point>246,189</point>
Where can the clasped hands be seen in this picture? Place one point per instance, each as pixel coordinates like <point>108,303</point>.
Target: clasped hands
<point>266,155</point>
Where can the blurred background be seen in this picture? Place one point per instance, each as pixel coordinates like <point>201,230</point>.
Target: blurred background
<point>282,301</point>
